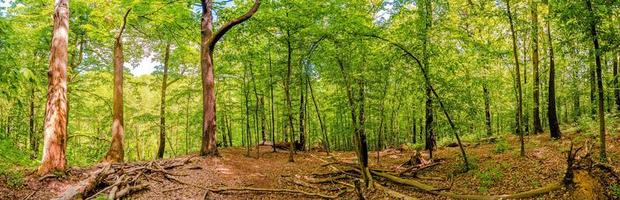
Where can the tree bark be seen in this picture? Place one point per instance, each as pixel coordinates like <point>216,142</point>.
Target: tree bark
<point>208,41</point>
<point>116,152</point>
<point>162,107</point>
<point>55,133</point>
<point>487,109</point>
<point>321,123</point>
<point>554,128</point>
<point>273,121</point>
<point>599,81</point>
<point>287,93</point>
<point>302,109</point>
<point>33,139</point>
<point>535,62</point>
<point>615,83</point>
<point>518,80</point>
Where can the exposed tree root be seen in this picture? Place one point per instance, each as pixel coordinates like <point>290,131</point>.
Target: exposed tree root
<point>83,187</point>
<point>392,193</point>
<point>249,189</point>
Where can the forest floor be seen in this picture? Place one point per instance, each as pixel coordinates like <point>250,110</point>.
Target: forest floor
<point>497,169</point>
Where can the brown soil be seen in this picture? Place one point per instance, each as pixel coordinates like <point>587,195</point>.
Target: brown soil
<point>495,173</point>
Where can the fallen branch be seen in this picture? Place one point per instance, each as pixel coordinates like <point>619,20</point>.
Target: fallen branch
<point>85,186</point>
<point>130,189</point>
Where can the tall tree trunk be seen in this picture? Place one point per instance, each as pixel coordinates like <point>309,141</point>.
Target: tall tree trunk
<point>273,121</point>
<point>256,111</point>
<point>554,128</point>
<point>162,107</point>
<point>55,142</point>
<point>302,108</point>
<point>116,152</point>
<point>207,46</point>
<point>246,94</point>
<point>599,81</point>
<point>535,62</point>
<point>487,109</point>
<point>33,139</point>
<point>287,93</point>
<point>429,132</point>
<point>318,114</point>
<point>358,130</point>
<point>518,80</point>
<point>592,92</point>
<point>616,86</point>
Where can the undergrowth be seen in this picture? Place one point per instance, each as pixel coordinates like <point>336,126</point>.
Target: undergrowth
<point>12,159</point>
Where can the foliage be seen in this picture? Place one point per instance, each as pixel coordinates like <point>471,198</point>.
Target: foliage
<point>488,178</point>
<point>501,146</point>
<point>615,190</point>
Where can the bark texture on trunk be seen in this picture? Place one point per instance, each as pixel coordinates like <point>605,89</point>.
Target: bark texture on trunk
<point>55,132</point>
<point>554,128</point>
<point>616,86</point>
<point>208,41</point>
<point>535,62</point>
<point>162,107</point>
<point>599,82</point>
<point>116,152</point>
<point>518,80</point>
<point>487,109</point>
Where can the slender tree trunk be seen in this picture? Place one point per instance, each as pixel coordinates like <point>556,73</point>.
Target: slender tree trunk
<point>554,128</point>
<point>302,108</point>
<point>287,85</point>
<point>162,108</point>
<point>318,114</point>
<point>256,111</point>
<point>615,83</point>
<point>273,121</point>
<point>599,81</point>
<point>518,80</point>
<point>535,62</point>
<point>116,152</point>
<point>33,139</point>
<point>55,142</point>
<point>248,137</point>
<point>262,119</point>
<point>487,109</point>
<point>429,132</point>
<point>592,92</point>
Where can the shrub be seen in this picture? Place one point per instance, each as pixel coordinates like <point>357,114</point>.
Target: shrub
<point>488,178</point>
<point>501,146</point>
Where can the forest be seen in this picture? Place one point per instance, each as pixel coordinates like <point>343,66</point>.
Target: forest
<point>309,99</point>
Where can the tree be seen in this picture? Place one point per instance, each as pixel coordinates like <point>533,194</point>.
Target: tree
<point>116,152</point>
<point>517,78</point>
<point>599,80</point>
<point>554,128</point>
<point>55,132</point>
<point>162,107</point>
<point>207,46</point>
<point>535,62</point>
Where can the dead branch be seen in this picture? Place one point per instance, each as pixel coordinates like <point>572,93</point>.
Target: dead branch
<point>85,186</point>
<point>130,189</point>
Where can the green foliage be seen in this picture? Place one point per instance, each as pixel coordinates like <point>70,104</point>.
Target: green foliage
<point>615,190</point>
<point>12,160</point>
<point>501,146</point>
<point>488,178</point>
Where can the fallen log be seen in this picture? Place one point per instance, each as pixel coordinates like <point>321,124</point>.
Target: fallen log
<point>432,190</point>
<point>83,187</point>
<point>249,189</point>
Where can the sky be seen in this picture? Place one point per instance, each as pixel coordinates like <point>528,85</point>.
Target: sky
<point>147,66</point>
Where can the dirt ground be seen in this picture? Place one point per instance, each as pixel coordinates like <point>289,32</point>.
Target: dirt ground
<point>495,172</point>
